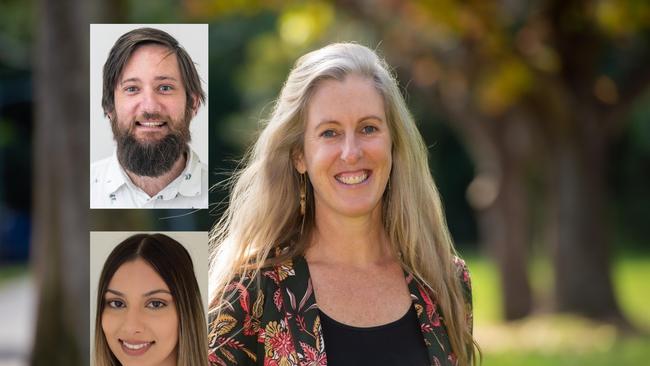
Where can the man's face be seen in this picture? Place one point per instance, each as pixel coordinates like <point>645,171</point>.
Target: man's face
<point>151,112</point>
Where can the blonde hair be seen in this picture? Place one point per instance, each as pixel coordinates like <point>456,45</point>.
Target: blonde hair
<point>264,208</point>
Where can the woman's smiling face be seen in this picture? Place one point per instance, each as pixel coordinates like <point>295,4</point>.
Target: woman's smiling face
<point>347,147</point>
<point>140,320</point>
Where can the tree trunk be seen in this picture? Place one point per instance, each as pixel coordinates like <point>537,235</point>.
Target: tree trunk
<point>509,244</point>
<point>581,254</point>
<point>507,225</point>
<point>503,221</point>
<point>60,231</point>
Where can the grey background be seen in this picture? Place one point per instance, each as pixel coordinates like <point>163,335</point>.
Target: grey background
<point>103,242</point>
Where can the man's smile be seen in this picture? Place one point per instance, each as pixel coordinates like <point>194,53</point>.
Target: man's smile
<point>150,124</point>
<point>147,128</point>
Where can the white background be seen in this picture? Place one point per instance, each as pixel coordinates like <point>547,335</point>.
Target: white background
<point>192,37</point>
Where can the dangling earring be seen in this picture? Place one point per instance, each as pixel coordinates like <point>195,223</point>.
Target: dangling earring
<point>303,201</point>
<point>303,194</point>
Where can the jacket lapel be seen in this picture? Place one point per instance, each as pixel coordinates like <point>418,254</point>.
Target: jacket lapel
<point>431,324</point>
<point>301,312</point>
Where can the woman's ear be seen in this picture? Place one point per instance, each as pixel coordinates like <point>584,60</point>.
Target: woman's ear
<point>298,159</point>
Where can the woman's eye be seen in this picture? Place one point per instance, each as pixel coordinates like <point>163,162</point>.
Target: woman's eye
<point>166,88</point>
<point>156,304</point>
<point>369,129</point>
<point>116,304</point>
<point>328,133</point>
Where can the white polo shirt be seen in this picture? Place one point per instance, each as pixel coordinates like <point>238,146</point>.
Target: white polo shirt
<point>111,187</point>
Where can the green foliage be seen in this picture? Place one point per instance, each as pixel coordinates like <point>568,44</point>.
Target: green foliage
<point>16,34</point>
<point>545,339</point>
<point>9,272</point>
<point>631,277</point>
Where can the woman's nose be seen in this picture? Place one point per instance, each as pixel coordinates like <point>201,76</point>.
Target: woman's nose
<point>133,322</point>
<point>351,149</point>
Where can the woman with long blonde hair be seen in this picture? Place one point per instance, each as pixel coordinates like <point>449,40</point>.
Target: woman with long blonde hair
<point>334,247</point>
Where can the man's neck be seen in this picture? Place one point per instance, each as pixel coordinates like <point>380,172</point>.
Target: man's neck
<point>153,185</point>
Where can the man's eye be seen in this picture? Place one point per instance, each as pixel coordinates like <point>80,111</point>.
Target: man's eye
<point>166,88</point>
<point>369,129</point>
<point>116,304</point>
<point>328,133</point>
<point>156,304</point>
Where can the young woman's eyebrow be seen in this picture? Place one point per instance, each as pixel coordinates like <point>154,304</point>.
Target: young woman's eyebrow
<point>115,292</point>
<point>146,294</point>
<point>158,291</point>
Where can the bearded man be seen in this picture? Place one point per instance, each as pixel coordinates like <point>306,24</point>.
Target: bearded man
<point>151,92</point>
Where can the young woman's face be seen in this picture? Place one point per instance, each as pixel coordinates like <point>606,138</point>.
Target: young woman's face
<point>347,147</point>
<point>140,320</point>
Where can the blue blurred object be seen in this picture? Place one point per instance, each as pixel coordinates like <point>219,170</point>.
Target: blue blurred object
<point>15,165</point>
<point>15,229</point>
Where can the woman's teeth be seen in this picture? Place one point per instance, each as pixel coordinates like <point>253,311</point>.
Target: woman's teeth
<point>135,346</point>
<point>352,179</point>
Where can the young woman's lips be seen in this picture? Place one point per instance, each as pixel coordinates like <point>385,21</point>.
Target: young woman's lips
<point>135,348</point>
<point>353,178</point>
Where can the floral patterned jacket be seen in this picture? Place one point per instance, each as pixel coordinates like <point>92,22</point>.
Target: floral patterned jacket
<point>277,322</point>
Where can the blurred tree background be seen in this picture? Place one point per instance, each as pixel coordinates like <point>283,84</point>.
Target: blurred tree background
<point>536,114</point>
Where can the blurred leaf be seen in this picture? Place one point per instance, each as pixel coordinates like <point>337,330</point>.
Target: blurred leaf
<point>503,86</point>
<point>622,17</point>
<point>301,25</point>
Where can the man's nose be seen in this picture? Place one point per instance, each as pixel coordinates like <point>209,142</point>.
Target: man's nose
<point>150,102</point>
<point>351,150</point>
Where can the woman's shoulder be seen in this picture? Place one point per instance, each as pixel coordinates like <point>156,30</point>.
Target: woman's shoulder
<point>462,272</point>
<point>466,284</point>
<point>236,322</point>
<point>254,283</point>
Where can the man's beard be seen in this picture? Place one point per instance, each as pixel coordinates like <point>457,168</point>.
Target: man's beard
<point>151,158</point>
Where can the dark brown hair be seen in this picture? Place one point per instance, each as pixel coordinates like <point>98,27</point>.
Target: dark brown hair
<point>124,48</point>
<point>174,265</point>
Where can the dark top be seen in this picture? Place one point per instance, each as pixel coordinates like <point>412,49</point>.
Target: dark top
<point>273,319</point>
<point>397,343</point>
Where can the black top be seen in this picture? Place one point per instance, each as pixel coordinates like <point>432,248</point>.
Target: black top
<point>397,343</point>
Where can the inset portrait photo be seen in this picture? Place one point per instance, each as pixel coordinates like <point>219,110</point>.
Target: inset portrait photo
<point>149,116</point>
<point>148,298</point>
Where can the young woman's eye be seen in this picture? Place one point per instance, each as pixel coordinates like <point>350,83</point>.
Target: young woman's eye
<point>115,304</point>
<point>369,129</point>
<point>156,304</point>
<point>328,133</point>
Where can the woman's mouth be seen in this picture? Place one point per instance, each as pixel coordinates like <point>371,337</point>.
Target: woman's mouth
<point>352,178</point>
<point>135,348</point>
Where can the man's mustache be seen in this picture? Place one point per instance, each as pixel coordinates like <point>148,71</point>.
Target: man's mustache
<point>146,116</point>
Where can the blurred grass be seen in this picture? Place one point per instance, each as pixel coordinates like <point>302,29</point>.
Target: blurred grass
<point>11,271</point>
<point>550,339</point>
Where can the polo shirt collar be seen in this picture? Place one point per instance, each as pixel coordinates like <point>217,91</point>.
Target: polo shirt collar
<point>188,183</point>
